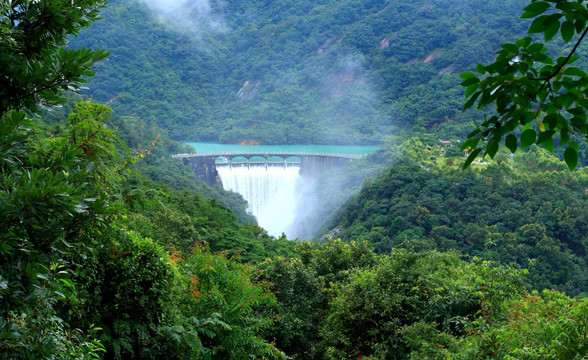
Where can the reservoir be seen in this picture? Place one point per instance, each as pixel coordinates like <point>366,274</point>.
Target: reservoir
<point>326,149</point>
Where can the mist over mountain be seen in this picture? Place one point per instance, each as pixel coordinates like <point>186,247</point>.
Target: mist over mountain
<point>112,248</point>
<point>288,72</point>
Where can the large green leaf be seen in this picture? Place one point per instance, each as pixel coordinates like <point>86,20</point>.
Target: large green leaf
<point>492,147</point>
<point>471,101</point>
<point>548,144</point>
<point>574,71</point>
<point>552,29</point>
<point>567,31</point>
<point>470,81</point>
<point>470,144</point>
<point>537,24</point>
<point>467,75</point>
<point>511,142</point>
<point>470,89</point>
<point>534,9</point>
<point>527,138</point>
<point>471,158</point>
<point>571,158</point>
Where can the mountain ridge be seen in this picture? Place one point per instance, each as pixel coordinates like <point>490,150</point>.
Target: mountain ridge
<point>318,72</point>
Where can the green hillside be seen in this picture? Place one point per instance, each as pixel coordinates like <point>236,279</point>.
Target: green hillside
<point>111,249</point>
<point>294,72</point>
<point>532,216</point>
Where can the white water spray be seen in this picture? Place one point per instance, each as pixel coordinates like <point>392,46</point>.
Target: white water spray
<point>270,191</point>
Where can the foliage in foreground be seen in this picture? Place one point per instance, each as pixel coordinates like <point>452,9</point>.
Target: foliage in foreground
<point>541,96</point>
<point>340,301</point>
<point>79,278</point>
<point>92,278</point>
<point>77,282</point>
<point>547,325</point>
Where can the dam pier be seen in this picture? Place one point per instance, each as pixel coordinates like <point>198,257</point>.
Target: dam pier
<point>205,166</point>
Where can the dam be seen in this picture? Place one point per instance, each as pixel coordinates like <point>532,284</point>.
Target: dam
<point>275,181</point>
<point>205,166</point>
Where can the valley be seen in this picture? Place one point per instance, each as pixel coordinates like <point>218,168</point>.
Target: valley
<point>330,179</point>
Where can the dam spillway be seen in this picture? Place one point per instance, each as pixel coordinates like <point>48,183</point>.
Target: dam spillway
<point>271,192</point>
<point>273,183</point>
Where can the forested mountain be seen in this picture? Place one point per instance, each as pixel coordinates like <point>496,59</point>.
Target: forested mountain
<point>292,72</point>
<point>111,249</point>
<point>532,216</point>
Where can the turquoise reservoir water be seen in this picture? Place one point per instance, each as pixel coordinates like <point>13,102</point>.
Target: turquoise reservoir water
<point>206,148</point>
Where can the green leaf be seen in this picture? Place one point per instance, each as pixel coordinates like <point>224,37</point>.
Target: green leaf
<point>511,47</point>
<point>544,136</point>
<point>524,42</point>
<point>567,7</point>
<point>548,144</point>
<point>574,71</point>
<point>577,122</point>
<point>551,30</point>
<point>577,112</point>
<point>537,25</point>
<point>571,158</point>
<point>480,69</point>
<point>527,138</point>
<point>473,134</point>
<point>471,158</point>
<point>466,75</point>
<point>564,136</point>
<point>574,145</point>
<point>536,47</point>
<point>542,57</point>
<point>470,89</point>
<point>511,142</point>
<point>551,121</point>
<point>572,59</point>
<point>534,9</point>
<point>471,101</point>
<point>567,31</point>
<point>470,81</point>
<point>470,144</point>
<point>580,24</point>
<point>492,147</point>
<point>566,100</point>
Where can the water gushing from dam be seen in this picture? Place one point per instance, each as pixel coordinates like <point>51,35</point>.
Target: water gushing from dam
<point>278,181</point>
<point>271,191</point>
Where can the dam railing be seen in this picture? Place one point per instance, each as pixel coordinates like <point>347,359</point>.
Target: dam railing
<point>267,153</point>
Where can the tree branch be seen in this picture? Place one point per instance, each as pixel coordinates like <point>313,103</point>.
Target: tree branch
<point>560,67</point>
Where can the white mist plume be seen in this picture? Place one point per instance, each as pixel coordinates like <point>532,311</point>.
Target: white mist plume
<point>193,16</point>
<point>272,193</point>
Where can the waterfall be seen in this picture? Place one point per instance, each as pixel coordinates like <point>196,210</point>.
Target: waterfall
<point>271,192</point>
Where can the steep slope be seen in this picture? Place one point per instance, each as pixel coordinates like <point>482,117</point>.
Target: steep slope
<point>294,71</point>
<point>531,216</point>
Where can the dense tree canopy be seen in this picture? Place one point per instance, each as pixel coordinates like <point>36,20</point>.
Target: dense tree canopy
<point>297,72</point>
<point>79,276</point>
<point>532,212</point>
<point>111,250</point>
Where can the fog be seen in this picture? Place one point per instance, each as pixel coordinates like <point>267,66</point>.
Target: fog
<point>192,16</point>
